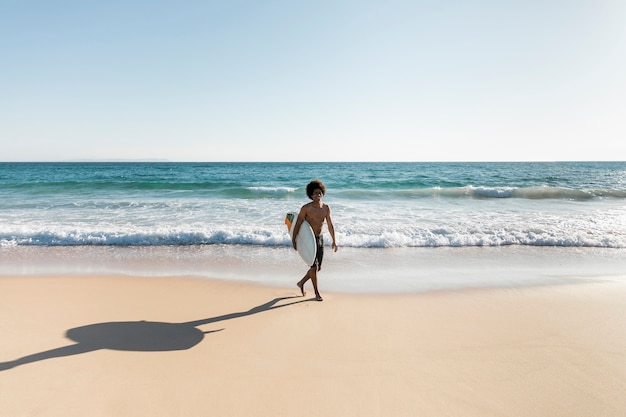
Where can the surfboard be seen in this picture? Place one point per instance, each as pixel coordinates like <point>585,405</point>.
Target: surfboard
<point>305,241</point>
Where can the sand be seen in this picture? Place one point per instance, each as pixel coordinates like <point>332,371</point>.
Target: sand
<point>127,346</point>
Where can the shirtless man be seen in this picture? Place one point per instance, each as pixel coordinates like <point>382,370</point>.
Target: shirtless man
<point>315,213</point>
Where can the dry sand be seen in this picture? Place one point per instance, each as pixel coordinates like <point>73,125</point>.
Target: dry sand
<point>123,346</point>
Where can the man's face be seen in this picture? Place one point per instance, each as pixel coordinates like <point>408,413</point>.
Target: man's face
<point>317,194</point>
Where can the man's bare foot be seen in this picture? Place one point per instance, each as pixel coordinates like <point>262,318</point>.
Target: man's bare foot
<point>318,298</point>
<point>301,286</point>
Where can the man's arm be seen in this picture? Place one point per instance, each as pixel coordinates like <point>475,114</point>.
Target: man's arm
<point>331,229</point>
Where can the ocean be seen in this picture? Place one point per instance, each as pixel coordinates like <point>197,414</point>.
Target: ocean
<point>192,211</point>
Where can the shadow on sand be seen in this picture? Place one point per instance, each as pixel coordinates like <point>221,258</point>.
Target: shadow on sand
<point>141,336</point>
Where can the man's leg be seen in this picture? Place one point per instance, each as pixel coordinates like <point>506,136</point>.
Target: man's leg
<point>313,272</point>
<point>304,279</point>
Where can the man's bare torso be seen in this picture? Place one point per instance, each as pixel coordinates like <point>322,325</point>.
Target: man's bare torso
<point>315,215</point>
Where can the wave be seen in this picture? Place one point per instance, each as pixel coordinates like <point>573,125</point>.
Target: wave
<point>385,239</point>
<point>272,190</point>
<point>483,192</point>
<point>142,238</point>
<point>203,189</point>
<point>237,190</point>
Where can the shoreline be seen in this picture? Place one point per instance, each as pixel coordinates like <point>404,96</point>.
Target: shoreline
<point>143,346</point>
<point>350,270</point>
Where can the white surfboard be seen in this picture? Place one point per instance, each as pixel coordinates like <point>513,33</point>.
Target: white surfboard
<point>305,241</point>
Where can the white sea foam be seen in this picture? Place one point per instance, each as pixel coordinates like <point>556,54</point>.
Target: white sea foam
<point>540,231</point>
<point>273,190</point>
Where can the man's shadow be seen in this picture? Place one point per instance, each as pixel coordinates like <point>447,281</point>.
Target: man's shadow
<point>140,336</point>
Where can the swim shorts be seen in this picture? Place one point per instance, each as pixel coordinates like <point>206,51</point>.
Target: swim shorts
<point>319,256</point>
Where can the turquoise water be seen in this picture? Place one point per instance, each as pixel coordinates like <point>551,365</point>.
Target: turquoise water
<point>374,205</point>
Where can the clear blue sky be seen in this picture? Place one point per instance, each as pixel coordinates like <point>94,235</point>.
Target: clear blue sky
<point>313,80</point>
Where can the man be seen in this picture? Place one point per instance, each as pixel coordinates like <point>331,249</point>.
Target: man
<point>315,212</point>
